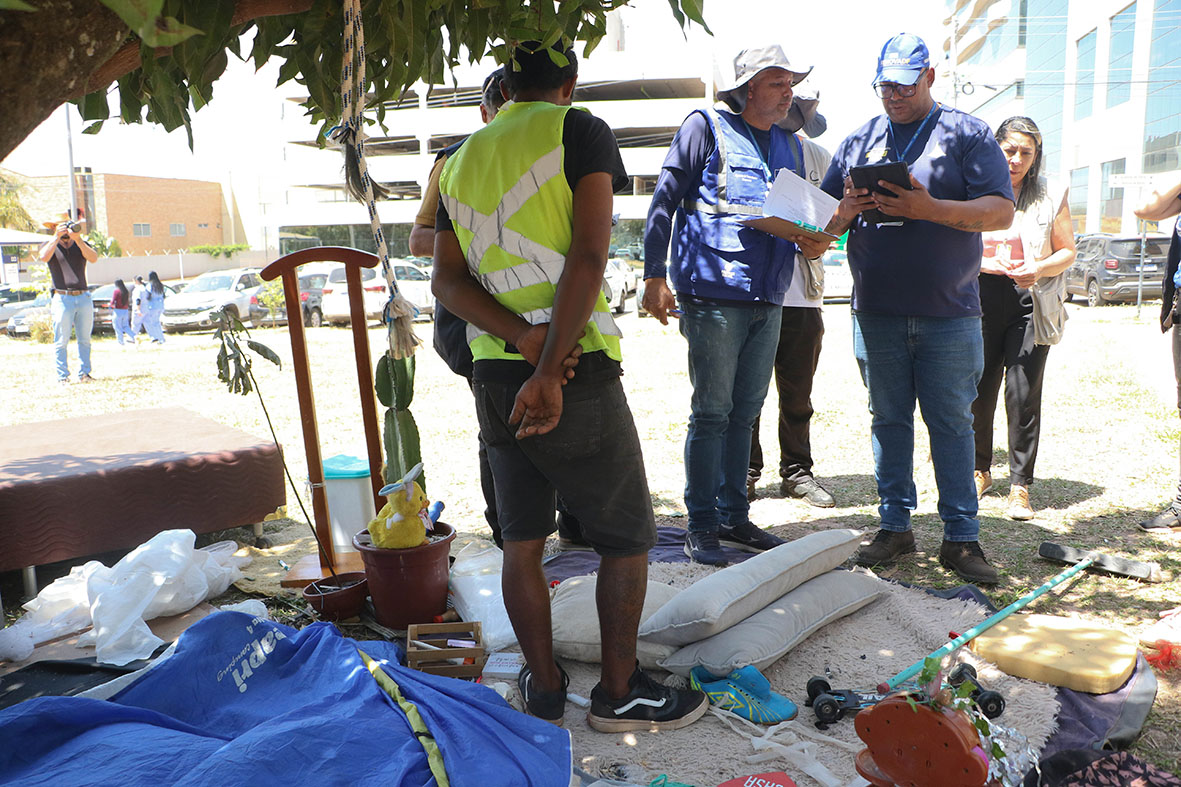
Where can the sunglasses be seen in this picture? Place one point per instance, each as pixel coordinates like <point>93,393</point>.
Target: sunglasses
<point>889,89</point>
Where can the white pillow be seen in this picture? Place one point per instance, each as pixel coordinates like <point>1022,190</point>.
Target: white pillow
<point>576,621</point>
<point>765,636</point>
<point>715,603</point>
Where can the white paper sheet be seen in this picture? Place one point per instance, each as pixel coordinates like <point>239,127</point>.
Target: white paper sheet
<point>795,199</point>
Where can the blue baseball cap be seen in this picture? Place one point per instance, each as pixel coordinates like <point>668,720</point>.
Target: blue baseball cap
<point>903,58</point>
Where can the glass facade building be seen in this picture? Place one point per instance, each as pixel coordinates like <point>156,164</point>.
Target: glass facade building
<point>1162,113</point>
<point>1119,58</point>
<point>1045,59</point>
<point>1084,91</point>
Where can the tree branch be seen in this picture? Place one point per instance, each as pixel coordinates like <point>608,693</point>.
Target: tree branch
<point>127,59</point>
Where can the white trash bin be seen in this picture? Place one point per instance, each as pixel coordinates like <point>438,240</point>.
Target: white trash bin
<point>350,499</point>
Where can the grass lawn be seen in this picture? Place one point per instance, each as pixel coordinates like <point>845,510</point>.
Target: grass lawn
<point>1108,456</point>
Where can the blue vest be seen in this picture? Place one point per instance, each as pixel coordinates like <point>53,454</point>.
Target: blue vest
<point>713,254</point>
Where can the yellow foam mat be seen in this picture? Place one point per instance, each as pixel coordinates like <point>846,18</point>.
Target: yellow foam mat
<point>1059,651</point>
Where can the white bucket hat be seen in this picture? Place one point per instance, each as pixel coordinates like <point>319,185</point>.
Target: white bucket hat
<point>750,62</point>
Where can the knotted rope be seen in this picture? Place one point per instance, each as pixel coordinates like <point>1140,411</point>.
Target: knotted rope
<point>398,313</point>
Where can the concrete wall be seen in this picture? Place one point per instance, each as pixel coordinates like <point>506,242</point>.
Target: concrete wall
<point>169,267</point>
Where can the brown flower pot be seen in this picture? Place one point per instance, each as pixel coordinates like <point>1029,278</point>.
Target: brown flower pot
<point>407,585</point>
<point>339,598</point>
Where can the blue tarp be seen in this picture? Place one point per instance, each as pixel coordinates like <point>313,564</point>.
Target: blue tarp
<point>249,701</point>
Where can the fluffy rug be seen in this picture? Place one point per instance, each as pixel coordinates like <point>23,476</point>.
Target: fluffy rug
<point>856,652</point>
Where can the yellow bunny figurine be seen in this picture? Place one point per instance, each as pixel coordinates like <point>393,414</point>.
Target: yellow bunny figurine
<point>403,521</point>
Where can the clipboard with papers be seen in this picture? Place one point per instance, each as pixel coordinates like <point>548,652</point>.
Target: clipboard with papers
<point>795,207</point>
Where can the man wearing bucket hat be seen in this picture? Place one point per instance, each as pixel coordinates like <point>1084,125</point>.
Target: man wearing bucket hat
<point>67,254</point>
<point>800,332</point>
<point>916,302</point>
<point>730,280</point>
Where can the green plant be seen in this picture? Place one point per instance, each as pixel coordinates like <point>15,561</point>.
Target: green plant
<point>234,369</point>
<point>104,245</point>
<point>219,250</point>
<point>271,296</point>
<point>41,328</point>
<point>394,382</point>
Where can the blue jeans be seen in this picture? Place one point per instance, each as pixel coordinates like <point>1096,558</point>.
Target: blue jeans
<point>938,362</point>
<point>121,322</point>
<point>71,313</point>
<point>731,356</point>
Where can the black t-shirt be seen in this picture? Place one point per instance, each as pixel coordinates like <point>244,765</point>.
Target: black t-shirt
<point>67,268</point>
<point>589,146</point>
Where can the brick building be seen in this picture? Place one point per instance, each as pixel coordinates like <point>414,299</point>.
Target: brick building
<point>146,215</point>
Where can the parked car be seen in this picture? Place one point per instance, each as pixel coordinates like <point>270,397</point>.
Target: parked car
<point>102,305</point>
<point>631,273</point>
<point>232,290</point>
<point>311,296</point>
<point>618,285</point>
<point>1107,268</point>
<point>413,282</point>
<point>12,300</point>
<point>838,279</point>
<point>18,324</point>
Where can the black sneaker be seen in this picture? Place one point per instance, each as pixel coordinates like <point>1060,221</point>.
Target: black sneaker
<point>704,548</point>
<point>886,547</point>
<point>648,705</point>
<point>546,705</point>
<point>748,538</point>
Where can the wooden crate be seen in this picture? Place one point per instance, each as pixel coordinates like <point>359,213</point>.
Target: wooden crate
<point>437,662</point>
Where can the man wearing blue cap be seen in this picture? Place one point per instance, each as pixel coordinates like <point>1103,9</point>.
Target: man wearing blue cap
<point>916,302</point>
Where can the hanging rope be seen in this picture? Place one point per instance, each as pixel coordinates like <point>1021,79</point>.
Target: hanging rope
<point>398,313</point>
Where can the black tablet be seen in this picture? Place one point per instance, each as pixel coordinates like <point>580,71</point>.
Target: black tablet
<point>867,177</point>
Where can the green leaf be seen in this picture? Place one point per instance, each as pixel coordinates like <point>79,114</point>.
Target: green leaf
<point>145,20</point>
<point>964,690</point>
<point>913,705</point>
<point>265,352</point>
<point>94,128</point>
<point>16,5</point>
<point>997,752</point>
<point>93,106</point>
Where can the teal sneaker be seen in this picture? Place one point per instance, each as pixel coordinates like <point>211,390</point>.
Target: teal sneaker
<point>746,693</point>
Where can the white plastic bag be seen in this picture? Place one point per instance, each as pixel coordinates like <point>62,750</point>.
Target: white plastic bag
<point>164,576</point>
<point>475,593</point>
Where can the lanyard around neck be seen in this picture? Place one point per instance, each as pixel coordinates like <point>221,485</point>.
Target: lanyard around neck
<point>791,158</point>
<point>918,133</point>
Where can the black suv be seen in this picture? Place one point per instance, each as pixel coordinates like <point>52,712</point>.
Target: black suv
<point>1107,268</point>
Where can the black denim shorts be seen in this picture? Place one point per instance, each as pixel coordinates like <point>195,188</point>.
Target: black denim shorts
<point>592,458</point>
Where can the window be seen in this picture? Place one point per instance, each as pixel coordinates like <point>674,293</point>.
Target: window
<point>1162,136</point>
<point>141,230</point>
<point>176,230</point>
<point>203,225</point>
<point>1045,64</point>
<point>1078,198</point>
<point>1111,200</point>
<point>1119,62</point>
<point>1084,76</point>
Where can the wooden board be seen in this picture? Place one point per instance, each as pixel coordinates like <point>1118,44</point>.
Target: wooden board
<point>440,661</point>
<point>1060,651</point>
<point>308,569</point>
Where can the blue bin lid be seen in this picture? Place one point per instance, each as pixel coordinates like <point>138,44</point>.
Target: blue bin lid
<point>342,466</point>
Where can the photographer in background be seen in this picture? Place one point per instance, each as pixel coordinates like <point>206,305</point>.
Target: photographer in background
<point>66,254</point>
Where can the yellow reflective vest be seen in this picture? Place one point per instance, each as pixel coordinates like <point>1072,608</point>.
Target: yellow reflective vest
<point>512,209</point>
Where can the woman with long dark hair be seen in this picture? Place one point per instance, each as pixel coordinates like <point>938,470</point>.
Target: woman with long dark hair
<point>1022,291</point>
<point>155,308</point>
<point>121,312</point>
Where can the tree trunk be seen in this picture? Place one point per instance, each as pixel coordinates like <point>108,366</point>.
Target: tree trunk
<point>47,55</point>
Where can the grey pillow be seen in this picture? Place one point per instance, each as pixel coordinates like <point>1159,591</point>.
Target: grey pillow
<point>717,602</point>
<point>765,636</point>
<point>576,622</point>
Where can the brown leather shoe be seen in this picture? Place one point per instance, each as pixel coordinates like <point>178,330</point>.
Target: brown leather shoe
<point>886,547</point>
<point>967,559</point>
<point>1019,507</point>
<point>983,482</point>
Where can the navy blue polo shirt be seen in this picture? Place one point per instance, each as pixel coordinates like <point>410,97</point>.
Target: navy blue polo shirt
<point>922,269</point>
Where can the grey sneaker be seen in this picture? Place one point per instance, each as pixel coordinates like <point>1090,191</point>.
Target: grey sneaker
<point>810,491</point>
<point>886,547</point>
<point>966,558</point>
<point>748,538</point>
